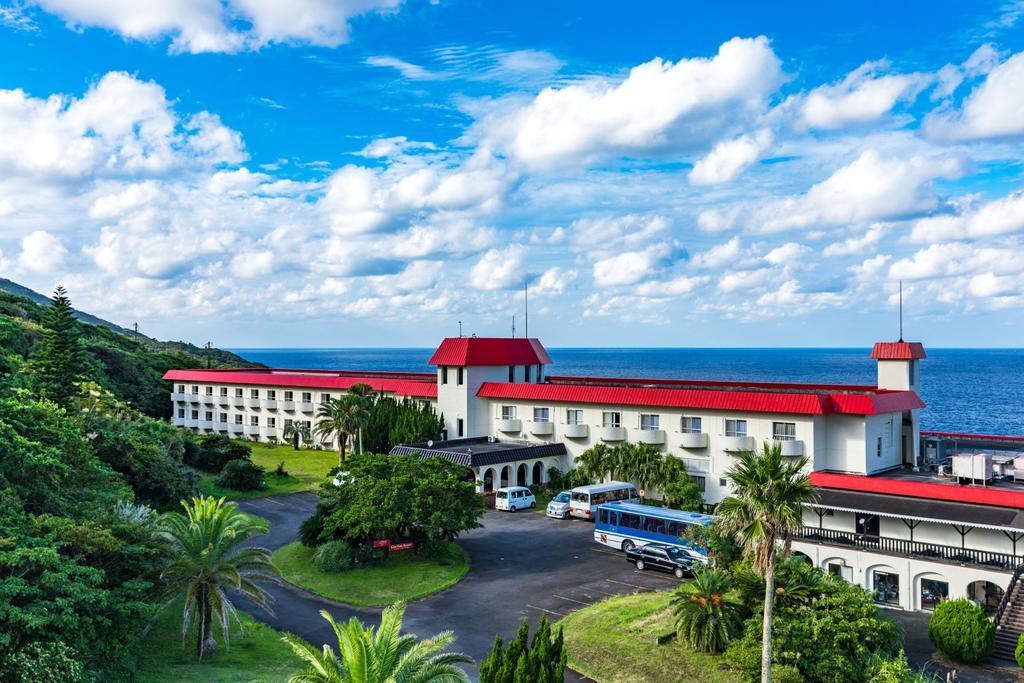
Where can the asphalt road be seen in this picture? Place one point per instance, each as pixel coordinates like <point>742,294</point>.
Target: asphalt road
<point>522,565</point>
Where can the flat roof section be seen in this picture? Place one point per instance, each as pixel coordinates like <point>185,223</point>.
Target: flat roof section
<point>398,384</point>
<point>481,451</point>
<point>908,487</point>
<point>945,511</point>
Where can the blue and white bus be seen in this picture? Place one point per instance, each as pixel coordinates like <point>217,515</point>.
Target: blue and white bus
<point>624,525</point>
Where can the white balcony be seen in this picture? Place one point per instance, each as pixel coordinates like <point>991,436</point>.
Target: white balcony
<point>306,407</point>
<point>611,433</point>
<point>509,426</point>
<point>693,440</point>
<point>220,426</point>
<point>252,430</point>
<point>223,401</point>
<point>193,398</point>
<point>651,436</point>
<point>287,405</point>
<point>209,399</point>
<point>735,444</point>
<point>699,465</point>
<point>270,403</point>
<point>175,396</point>
<point>267,432</point>
<point>576,431</point>
<point>252,402</point>
<point>238,401</point>
<point>791,447</point>
<point>205,424</point>
<point>545,428</point>
<point>235,428</point>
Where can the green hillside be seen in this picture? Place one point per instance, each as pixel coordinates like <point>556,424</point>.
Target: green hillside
<point>129,365</point>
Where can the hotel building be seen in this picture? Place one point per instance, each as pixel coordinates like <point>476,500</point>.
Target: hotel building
<point>882,519</point>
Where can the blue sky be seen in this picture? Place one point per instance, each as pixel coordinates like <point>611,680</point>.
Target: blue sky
<point>370,172</point>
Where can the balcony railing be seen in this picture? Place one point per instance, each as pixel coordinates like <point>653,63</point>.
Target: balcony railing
<point>906,548</point>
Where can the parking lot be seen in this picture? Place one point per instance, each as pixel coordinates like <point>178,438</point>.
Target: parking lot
<point>523,565</point>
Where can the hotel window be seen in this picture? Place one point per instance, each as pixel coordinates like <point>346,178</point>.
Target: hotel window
<point>458,426</point>
<point>181,413</point>
<point>238,392</point>
<point>690,425</point>
<point>307,396</point>
<point>723,482</point>
<point>526,373</point>
<point>195,414</point>
<point>254,420</point>
<point>649,422</point>
<point>209,391</point>
<point>888,433</point>
<point>878,448</point>
<point>289,396</point>
<point>223,391</point>
<point>238,419</point>
<point>209,416</point>
<point>459,372</point>
<point>573,416</point>
<point>932,593</point>
<point>223,418</point>
<point>701,482</point>
<point>308,424</point>
<point>886,587</point>
<point>508,412</point>
<point>254,393</point>
<point>444,374</point>
<point>541,414</point>
<point>181,388</point>
<point>272,422</point>
<point>783,431</point>
<point>287,423</point>
<point>540,371</point>
<point>325,398</point>
<point>611,419</point>
<point>735,427</point>
<point>271,394</point>
<point>511,374</point>
<point>195,388</point>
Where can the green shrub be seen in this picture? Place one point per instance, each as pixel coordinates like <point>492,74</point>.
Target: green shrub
<point>898,670</point>
<point>280,471</point>
<point>333,557</point>
<point>52,662</point>
<point>242,475</point>
<point>213,451</point>
<point>706,619</point>
<point>960,630</point>
<point>784,673</point>
<point>1018,652</point>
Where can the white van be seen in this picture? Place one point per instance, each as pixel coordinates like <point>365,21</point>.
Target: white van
<point>585,499</point>
<point>514,498</point>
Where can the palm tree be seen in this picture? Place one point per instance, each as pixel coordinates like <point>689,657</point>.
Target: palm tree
<point>206,560</point>
<point>705,618</point>
<point>339,419</point>
<point>767,509</point>
<point>363,393</point>
<point>381,655</point>
<point>595,462</point>
<point>297,432</point>
<point>640,464</point>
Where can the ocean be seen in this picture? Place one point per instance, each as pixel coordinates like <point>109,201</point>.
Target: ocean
<point>966,390</point>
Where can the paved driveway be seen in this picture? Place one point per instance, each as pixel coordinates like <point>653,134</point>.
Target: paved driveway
<point>522,565</point>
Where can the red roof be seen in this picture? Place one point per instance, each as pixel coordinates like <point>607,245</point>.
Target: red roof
<point>804,403</point>
<point>900,350</point>
<point>397,383</point>
<point>919,489</point>
<point>468,351</point>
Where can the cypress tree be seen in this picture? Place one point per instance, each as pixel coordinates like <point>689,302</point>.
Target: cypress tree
<point>542,660</point>
<point>60,357</point>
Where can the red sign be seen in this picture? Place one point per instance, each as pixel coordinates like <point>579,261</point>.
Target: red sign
<point>382,544</point>
<point>395,547</point>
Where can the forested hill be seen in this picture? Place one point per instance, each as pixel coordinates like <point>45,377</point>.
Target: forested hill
<point>129,365</point>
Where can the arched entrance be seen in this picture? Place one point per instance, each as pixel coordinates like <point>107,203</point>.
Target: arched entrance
<point>488,480</point>
<point>538,473</point>
<point>803,557</point>
<point>506,474</point>
<point>986,594</point>
<point>521,474</point>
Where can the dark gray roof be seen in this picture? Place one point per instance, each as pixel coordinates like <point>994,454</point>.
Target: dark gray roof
<point>922,508</point>
<point>481,451</point>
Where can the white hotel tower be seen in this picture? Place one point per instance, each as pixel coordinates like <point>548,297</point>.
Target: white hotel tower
<point>882,519</point>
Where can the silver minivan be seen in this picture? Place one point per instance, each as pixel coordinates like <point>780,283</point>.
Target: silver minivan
<point>514,498</point>
<point>559,505</point>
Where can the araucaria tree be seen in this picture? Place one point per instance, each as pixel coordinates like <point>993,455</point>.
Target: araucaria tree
<point>206,560</point>
<point>338,419</point>
<point>60,359</point>
<point>765,511</point>
<point>541,660</point>
<point>381,655</point>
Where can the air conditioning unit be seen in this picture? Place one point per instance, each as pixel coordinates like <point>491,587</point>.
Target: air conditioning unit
<point>491,439</point>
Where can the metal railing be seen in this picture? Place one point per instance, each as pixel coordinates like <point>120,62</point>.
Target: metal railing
<point>907,548</point>
<point>1007,596</point>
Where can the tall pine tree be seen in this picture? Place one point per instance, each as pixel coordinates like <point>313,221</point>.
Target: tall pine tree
<point>60,359</point>
<point>541,661</point>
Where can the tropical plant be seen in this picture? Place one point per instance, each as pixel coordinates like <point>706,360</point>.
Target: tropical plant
<point>960,630</point>
<point>362,393</point>
<point>1018,652</point>
<point>640,463</point>
<point>206,560</point>
<point>797,582</point>
<point>680,490</point>
<point>595,462</point>
<point>242,475</point>
<point>767,509</point>
<point>296,433</point>
<point>705,618</point>
<point>379,655</point>
<point>542,660</point>
<point>340,418</point>
<point>60,356</point>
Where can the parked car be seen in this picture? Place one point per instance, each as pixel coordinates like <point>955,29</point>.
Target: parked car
<point>559,505</point>
<point>664,557</point>
<point>514,498</point>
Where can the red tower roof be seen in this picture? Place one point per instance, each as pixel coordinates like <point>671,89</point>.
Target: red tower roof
<point>900,350</point>
<point>467,351</point>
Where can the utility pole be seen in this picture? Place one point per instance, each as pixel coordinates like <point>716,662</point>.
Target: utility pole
<point>526,305</point>
<point>513,325</point>
<point>901,310</point>
<point>209,352</point>
<point>460,328</point>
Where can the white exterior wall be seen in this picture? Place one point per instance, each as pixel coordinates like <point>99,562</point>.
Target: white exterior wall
<point>844,449</point>
<point>887,430</point>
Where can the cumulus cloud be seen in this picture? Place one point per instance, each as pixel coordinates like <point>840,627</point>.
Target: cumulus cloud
<point>789,254</point>
<point>719,255</point>
<point>41,253</point>
<point>865,95</point>
<point>728,159</point>
<point>858,243</point>
<point>600,235</point>
<point>659,104</point>
<point>627,268</point>
<point>220,25</point>
<point>998,217</point>
<point>993,109</point>
<point>499,268</point>
<point>554,281</point>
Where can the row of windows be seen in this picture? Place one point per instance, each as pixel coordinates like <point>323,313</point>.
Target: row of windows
<point>529,373</point>
<point>781,431</point>
<point>254,420</point>
<point>270,394</point>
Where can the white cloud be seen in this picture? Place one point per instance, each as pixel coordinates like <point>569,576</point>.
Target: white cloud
<point>993,109</point>
<point>392,147</point>
<point>254,263</point>
<point>865,95</point>
<point>658,104</point>
<point>857,244</point>
<point>719,255</point>
<point>499,268</point>
<point>41,253</point>
<point>998,217</point>
<point>680,286</point>
<point>407,69</point>
<point>728,159</point>
<point>746,279</point>
<point>626,268</point>
<point>554,281</point>
<point>789,254</point>
<point>220,25</point>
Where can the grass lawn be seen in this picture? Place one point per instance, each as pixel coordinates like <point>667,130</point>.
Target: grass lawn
<point>306,468</point>
<point>403,576</point>
<point>256,654</point>
<point>613,641</point>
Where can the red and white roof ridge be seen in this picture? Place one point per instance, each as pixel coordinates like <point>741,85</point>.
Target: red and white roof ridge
<point>470,351</point>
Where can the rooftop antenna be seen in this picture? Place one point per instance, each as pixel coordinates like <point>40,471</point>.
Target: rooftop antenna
<point>901,310</point>
<point>526,304</point>
<point>513,325</point>
<point>460,328</point>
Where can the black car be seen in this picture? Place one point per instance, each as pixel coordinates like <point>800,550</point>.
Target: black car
<point>664,557</point>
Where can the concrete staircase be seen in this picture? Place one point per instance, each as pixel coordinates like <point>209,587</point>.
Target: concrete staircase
<point>1010,618</point>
